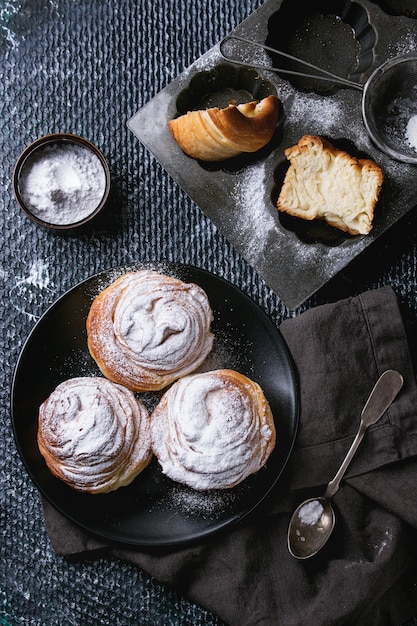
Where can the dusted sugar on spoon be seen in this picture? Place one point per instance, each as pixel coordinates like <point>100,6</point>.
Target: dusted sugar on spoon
<point>212,430</point>
<point>94,435</point>
<point>147,329</point>
<point>311,512</point>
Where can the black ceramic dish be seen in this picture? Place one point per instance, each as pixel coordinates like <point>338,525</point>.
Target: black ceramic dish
<point>153,510</point>
<point>239,195</point>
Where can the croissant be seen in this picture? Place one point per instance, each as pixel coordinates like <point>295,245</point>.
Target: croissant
<point>94,435</point>
<point>146,330</point>
<point>215,134</point>
<point>212,430</point>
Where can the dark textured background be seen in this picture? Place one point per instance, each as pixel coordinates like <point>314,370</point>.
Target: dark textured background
<point>85,67</point>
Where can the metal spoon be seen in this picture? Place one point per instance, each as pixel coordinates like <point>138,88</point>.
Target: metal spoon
<point>313,521</point>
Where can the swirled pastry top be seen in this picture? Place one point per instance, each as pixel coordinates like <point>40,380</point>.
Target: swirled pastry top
<point>94,434</point>
<point>146,330</point>
<point>212,430</point>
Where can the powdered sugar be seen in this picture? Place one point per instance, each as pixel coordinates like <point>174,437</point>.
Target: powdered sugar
<point>404,43</point>
<point>32,293</point>
<point>386,541</point>
<point>254,222</point>
<point>321,113</point>
<point>94,434</point>
<point>411,132</point>
<point>212,430</point>
<point>201,504</point>
<point>149,329</point>
<point>311,512</point>
<point>62,183</point>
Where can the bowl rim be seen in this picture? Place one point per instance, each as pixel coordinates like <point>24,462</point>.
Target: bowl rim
<point>373,132</point>
<point>59,138</point>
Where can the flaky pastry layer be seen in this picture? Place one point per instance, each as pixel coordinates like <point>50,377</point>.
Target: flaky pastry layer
<point>215,134</point>
<point>327,183</point>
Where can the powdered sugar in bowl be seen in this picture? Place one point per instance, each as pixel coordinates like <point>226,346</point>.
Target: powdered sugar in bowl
<point>61,181</point>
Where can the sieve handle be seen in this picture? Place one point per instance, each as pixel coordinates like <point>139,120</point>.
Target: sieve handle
<point>325,74</point>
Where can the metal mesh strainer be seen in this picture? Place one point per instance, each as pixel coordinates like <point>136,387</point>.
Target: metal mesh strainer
<point>389,107</point>
<point>389,100</point>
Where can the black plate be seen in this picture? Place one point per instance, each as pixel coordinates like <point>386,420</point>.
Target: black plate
<point>153,510</point>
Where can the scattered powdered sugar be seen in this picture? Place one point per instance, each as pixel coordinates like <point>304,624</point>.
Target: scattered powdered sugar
<point>38,274</point>
<point>32,293</point>
<point>254,222</point>
<point>384,543</point>
<point>405,43</point>
<point>321,113</point>
<point>311,512</point>
<point>202,504</point>
<point>230,350</point>
<point>257,228</point>
<point>9,10</point>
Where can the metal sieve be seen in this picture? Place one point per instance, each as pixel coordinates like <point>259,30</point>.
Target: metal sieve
<point>389,107</point>
<point>389,96</point>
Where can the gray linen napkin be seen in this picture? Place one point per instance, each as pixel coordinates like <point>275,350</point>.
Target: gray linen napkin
<point>246,574</point>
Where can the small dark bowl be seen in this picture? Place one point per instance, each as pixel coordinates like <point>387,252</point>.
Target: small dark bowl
<point>32,151</point>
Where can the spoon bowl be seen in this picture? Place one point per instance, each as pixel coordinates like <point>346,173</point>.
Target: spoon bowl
<point>310,527</point>
<point>313,521</point>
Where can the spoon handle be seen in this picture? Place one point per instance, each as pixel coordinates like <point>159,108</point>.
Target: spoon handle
<point>382,395</point>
